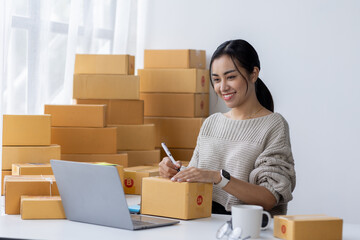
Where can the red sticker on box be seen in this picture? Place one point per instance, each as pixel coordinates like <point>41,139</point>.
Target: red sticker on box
<point>129,182</point>
<point>202,105</point>
<point>283,229</point>
<point>202,81</point>
<point>199,200</point>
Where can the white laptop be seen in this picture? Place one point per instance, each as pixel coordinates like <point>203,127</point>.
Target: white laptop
<point>94,194</point>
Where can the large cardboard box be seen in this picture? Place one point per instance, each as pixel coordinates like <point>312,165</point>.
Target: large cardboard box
<point>77,115</point>
<point>176,132</point>
<point>84,140</point>
<point>135,137</point>
<point>133,177</point>
<point>307,227</point>
<point>32,169</point>
<point>104,64</point>
<point>174,80</point>
<point>176,104</point>
<point>41,207</point>
<point>180,154</point>
<point>118,158</point>
<point>32,185</point>
<point>162,197</point>
<point>25,130</point>
<point>176,58</point>
<point>3,174</point>
<point>127,112</point>
<point>101,86</point>
<point>143,158</point>
<point>29,154</point>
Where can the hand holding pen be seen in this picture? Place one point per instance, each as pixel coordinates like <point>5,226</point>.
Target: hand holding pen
<point>168,168</point>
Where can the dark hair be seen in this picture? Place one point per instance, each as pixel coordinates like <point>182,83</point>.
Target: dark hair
<point>247,57</point>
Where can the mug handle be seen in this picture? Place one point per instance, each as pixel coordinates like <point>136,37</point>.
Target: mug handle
<point>269,219</point>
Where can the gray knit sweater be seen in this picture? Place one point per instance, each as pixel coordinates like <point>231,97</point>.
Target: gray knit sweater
<point>255,150</point>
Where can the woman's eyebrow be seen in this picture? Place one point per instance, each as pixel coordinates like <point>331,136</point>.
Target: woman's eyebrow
<point>230,71</point>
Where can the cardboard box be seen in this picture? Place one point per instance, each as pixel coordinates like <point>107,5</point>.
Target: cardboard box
<point>135,137</point>
<point>41,207</point>
<point>133,177</point>
<point>101,86</point>
<point>162,197</point>
<point>104,64</point>
<point>77,115</point>
<point>28,154</point>
<point>175,104</point>
<point>180,58</point>
<point>143,158</point>
<point>127,112</point>
<point>32,185</point>
<point>3,174</point>
<point>307,227</point>
<point>174,80</point>
<point>176,132</point>
<point>84,140</point>
<point>32,169</point>
<point>26,130</point>
<point>119,158</point>
<point>180,154</point>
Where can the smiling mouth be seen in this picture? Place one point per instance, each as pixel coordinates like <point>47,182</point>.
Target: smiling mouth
<point>228,96</point>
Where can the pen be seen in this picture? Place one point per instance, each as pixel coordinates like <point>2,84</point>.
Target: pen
<point>169,155</point>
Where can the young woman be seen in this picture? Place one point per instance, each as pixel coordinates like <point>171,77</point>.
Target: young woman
<point>245,152</point>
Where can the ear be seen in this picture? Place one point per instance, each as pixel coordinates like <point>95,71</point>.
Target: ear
<point>254,75</point>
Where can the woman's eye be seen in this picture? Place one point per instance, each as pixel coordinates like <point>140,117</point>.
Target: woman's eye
<point>216,79</point>
<point>231,77</point>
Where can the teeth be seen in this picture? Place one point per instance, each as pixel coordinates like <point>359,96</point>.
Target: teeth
<point>228,95</point>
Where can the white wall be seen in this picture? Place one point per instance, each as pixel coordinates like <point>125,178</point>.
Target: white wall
<point>310,56</point>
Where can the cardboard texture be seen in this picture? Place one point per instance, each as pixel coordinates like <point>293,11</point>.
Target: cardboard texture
<point>175,104</point>
<point>135,137</point>
<point>174,80</point>
<point>176,58</point>
<point>143,158</point>
<point>29,154</point>
<point>162,197</point>
<point>32,169</point>
<point>176,132</point>
<point>127,112</point>
<point>104,64</point>
<point>133,177</point>
<point>119,158</point>
<point>307,227</point>
<point>178,154</point>
<point>26,130</point>
<point>41,207</point>
<point>77,115</point>
<point>3,174</point>
<point>84,140</point>
<point>101,86</point>
<point>32,185</point>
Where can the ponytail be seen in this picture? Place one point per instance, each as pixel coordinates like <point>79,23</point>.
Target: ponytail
<point>263,95</point>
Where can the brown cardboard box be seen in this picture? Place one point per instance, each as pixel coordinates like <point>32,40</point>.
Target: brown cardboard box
<point>104,64</point>
<point>77,115</point>
<point>134,175</point>
<point>28,154</point>
<point>176,132</point>
<point>179,58</point>
<point>162,197</point>
<point>41,207</point>
<point>119,158</point>
<point>174,80</point>
<point>84,140</point>
<point>176,104</point>
<point>179,154</point>
<point>3,174</point>
<point>143,158</point>
<point>102,86</point>
<point>135,137</point>
<point>32,169</point>
<point>32,185</point>
<point>22,130</point>
<point>307,227</point>
<point>120,111</point>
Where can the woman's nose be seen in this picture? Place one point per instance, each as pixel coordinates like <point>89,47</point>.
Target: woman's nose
<point>224,86</point>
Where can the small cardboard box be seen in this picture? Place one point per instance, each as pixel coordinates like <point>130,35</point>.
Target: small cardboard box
<point>127,112</point>
<point>176,132</point>
<point>28,154</point>
<point>26,130</point>
<point>174,80</point>
<point>133,177</point>
<point>41,207</point>
<point>104,64</point>
<point>143,158</point>
<point>307,227</point>
<point>176,58</point>
<point>101,86</point>
<point>135,137</point>
<point>32,185</point>
<point>176,104</point>
<point>179,153</point>
<point>84,140</point>
<point>162,197</point>
<point>118,158</point>
<point>77,115</point>
<point>3,174</point>
<point>32,169</point>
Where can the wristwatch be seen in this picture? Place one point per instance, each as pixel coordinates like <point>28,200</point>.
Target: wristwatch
<point>225,178</point>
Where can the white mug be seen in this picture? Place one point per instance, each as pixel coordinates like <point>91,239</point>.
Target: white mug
<point>249,219</point>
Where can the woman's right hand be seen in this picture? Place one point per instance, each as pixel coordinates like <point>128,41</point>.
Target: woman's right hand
<point>167,169</point>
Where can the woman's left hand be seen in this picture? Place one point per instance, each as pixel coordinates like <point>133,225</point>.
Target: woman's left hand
<point>193,174</point>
